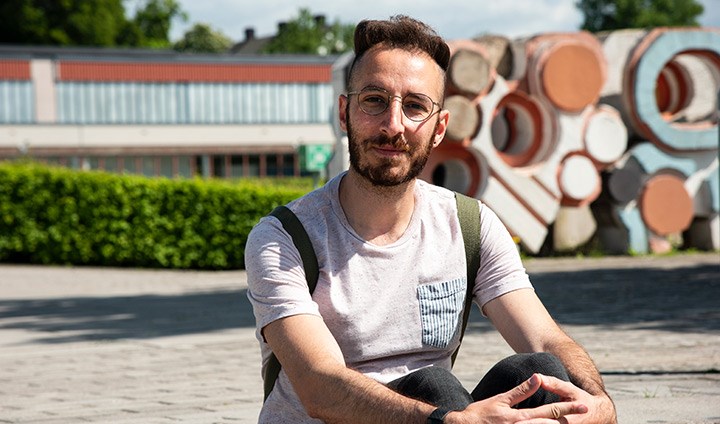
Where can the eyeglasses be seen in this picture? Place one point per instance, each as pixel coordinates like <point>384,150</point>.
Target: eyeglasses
<point>417,107</point>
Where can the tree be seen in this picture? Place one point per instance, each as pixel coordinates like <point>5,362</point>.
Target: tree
<point>101,23</point>
<point>201,38</point>
<point>606,15</point>
<point>154,20</point>
<point>61,23</point>
<point>310,34</point>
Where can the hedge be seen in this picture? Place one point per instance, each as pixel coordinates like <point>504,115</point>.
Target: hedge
<point>54,215</point>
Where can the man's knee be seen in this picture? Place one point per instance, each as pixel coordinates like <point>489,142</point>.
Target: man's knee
<point>515,369</point>
<point>434,385</point>
<point>543,363</point>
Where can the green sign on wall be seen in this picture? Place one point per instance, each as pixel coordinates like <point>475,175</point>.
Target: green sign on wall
<point>315,157</point>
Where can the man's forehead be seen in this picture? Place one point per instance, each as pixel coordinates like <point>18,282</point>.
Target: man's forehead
<point>381,64</point>
<point>396,53</point>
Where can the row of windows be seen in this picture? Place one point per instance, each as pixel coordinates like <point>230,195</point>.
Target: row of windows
<point>221,166</point>
<point>171,103</point>
<point>184,103</point>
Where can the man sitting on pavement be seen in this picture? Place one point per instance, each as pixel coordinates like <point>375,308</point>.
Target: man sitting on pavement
<point>373,343</point>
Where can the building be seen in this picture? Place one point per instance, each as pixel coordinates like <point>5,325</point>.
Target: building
<point>166,113</point>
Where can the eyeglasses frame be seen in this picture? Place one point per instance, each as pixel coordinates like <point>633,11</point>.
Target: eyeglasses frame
<point>401,98</point>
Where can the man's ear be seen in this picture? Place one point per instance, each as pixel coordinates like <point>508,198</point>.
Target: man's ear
<point>441,126</point>
<point>342,111</point>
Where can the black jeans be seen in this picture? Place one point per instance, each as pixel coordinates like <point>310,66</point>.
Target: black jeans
<point>437,386</point>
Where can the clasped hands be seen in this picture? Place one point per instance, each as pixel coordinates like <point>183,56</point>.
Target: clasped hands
<point>576,407</point>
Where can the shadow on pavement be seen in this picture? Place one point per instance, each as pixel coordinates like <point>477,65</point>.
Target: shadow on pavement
<point>127,317</point>
<point>678,299</point>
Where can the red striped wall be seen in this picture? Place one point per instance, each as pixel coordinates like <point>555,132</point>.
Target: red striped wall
<point>14,70</point>
<point>166,72</point>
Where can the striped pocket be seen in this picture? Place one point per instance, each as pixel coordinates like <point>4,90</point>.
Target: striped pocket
<point>440,309</point>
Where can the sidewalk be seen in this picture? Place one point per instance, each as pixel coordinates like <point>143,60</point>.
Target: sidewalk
<point>144,346</point>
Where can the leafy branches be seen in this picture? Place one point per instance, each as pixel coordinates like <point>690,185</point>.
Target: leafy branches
<point>608,15</point>
<point>310,34</point>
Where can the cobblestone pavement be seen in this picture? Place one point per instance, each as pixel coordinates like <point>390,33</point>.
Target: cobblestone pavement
<point>144,346</point>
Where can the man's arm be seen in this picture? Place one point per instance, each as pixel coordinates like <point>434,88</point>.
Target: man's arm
<point>523,321</point>
<point>326,387</point>
<point>335,394</point>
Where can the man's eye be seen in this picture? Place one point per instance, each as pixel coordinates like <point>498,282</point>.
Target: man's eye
<point>373,99</point>
<point>419,107</point>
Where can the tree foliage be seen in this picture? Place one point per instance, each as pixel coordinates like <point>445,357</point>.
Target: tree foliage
<point>154,20</point>
<point>607,15</point>
<point>310,34</point>
<point>101,23</point>
<point>201,38</point>
<point>61,22</point>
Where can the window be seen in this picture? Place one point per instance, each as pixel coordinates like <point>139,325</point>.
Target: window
<point>272,165</point>
<point>236,166</point>
<point>254,165</point>
<point>111,164</point>
<point>148,167</point>
<point>219,166</point>
<point>129,165</point>
<point>166,166</point>
<point>288,165</point>
<point>185,167</point>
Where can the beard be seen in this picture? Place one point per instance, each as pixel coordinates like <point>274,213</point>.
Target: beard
<point>386,172</point>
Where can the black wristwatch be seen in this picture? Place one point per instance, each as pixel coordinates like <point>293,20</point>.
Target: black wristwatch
<point>438,416</point>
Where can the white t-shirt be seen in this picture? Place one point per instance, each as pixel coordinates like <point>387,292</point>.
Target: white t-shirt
<point>392,309</point>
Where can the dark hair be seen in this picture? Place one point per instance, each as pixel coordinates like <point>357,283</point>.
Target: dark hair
<point>400,32</point>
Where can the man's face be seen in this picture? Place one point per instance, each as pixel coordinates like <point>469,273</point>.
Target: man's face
<point>390,149</point>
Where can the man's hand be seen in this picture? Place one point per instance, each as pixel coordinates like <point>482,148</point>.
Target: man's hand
<point>498,409</point>
<point>527,326</point>
<point>600,408</point>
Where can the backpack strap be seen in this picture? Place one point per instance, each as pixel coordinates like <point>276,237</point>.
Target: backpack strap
<point>469,216</point>
<point>300,238</point>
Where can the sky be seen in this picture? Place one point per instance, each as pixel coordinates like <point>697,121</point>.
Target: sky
<point>452,19</point>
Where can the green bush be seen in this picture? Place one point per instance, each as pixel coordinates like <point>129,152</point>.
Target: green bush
<point>60,216</point>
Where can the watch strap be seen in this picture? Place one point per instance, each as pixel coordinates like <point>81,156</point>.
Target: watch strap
<point>438,416</point>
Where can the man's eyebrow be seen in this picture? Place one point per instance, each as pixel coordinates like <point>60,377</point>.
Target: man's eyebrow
<point>373,87</point>
<point>376,87</point>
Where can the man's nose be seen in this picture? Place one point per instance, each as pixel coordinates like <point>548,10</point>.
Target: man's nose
<point>393,122</point>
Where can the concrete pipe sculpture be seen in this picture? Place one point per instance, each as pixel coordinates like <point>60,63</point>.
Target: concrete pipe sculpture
<point>540,130</point>
<point>471,72</point>
<point>501,54</point>
<point>656,195</point>
<point>568,70</point>
<point>516,136</point>
<point>670,77</point>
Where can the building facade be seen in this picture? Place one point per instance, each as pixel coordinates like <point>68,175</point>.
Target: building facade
<point>167,113</point>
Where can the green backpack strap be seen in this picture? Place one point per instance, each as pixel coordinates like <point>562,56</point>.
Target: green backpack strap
<point>469,216</point>
<point>300,238</point>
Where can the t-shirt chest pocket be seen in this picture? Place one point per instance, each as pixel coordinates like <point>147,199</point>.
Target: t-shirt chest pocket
<point>440,309</point>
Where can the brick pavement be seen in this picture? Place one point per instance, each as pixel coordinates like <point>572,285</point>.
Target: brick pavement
<point>143,346</point>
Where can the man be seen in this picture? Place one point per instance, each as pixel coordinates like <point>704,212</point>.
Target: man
<point>373,342</point>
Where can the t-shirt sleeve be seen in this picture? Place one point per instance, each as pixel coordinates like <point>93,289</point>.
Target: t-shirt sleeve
<point>277,287</point>
<point>501,269</point>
